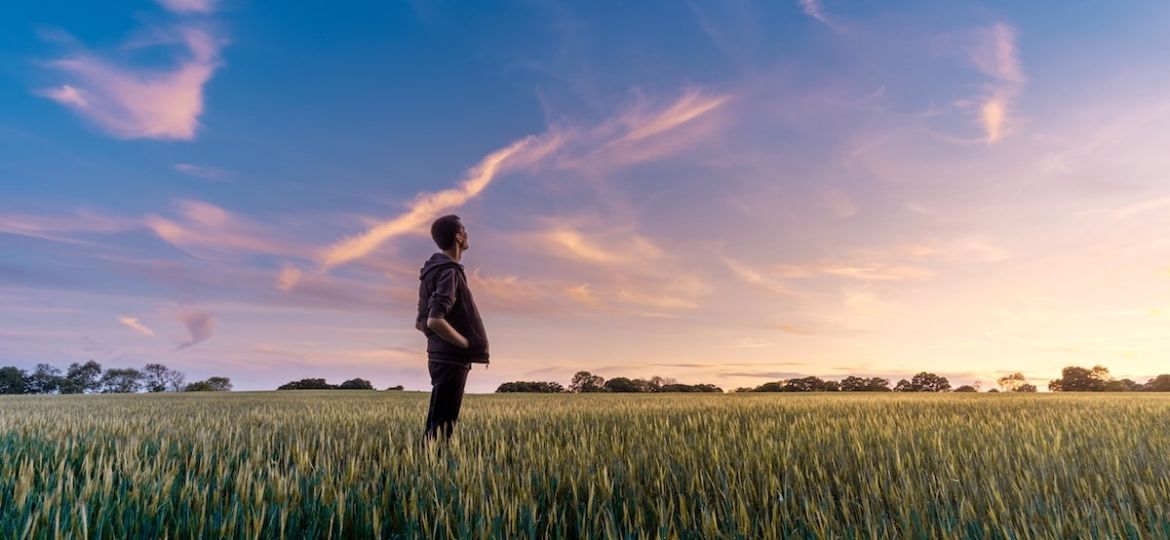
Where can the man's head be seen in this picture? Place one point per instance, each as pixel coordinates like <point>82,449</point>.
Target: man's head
<point>448,232</point>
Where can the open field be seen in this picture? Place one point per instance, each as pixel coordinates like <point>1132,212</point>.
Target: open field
<point>343,464</point>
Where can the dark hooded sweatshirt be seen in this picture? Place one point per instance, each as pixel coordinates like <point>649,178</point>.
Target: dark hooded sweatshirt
<point>443,293</point>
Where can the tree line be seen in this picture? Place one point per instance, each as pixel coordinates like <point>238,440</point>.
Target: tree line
<point>89,378</point>
<point>584,381</point>
<point>320,384</point>
<point>1072,379</point>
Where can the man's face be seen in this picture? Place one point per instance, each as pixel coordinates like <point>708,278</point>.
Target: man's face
<point>461,237</point>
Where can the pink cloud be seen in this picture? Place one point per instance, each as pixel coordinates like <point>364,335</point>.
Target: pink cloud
<point>134,324</point>
<point>206,228</point>
<point>995,54</point>
<point>199,323</point>
<point>137,102</point>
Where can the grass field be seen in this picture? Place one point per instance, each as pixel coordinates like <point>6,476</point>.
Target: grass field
<point>343,464</point>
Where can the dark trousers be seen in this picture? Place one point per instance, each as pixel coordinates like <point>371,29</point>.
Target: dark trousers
<point>447,382</point>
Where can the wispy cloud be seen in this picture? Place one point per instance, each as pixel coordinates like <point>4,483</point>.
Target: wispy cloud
<point>643,123</point>
<point>995,54</point>
<point>605,248</point>
<point>615,141</point>
<point>427,206</point>
<point>811,328</point>
<point>813,9</point>
<point>866,302</point>
<point>864,271</point>
<point>202,171</point>
<point>660,301</point>
<point>205,228</point>
<point>1132,209</point>
<point>199,323</point>
<point>201,229</point>
<point>749,343</point>
<point>61,228</point>
<point>771,375</point>
<point>136,101</point>
<point>647,131</point>
<point>583,294</point>
<point>511,293</point>
<point>288,277</point>
<point>134,324</point>
<point>754,277</point>
<point>189,6</point>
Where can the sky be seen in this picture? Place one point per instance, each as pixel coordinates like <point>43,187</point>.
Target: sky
<point>723,192</point>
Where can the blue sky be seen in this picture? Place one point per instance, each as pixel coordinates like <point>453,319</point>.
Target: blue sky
<point>723,192</point>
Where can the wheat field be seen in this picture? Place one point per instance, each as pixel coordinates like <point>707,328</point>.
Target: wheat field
<point>344,464</point>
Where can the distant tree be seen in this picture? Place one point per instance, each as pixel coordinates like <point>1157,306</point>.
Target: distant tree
<point>646,386</point>
<point>212,384</point>
<point>621,384</point>
<point>858,384</point>
<point>510,387</point>
<point>396,387</point>
<point>1079,379</point>
<point>158,378</point>
<point>121,381</point>
<point>678,387</point>
<point>307,384</point>
<point>929,382</point>
<point>810,384</point>
<point>1123,385</point>
<point>923,382</point>
<point>13,380</point>
<point>966,388</point>
<point>1009,383</point>
<point>584,381</point>
<point>551,387</point>
<point>1025,388</point>
<point>81,378</point>
<point>775,386</point>
<point>852,384</point>
<point>356,384</point>
<point>536,387</point>
<point>658,382</point>
<point>153,378</point>
<point>742,389</point>
<point>45,380</point>
<point>175,380</point>
<point>1161,383</point>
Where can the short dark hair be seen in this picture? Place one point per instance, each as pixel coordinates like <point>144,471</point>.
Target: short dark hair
<point>443,230</point>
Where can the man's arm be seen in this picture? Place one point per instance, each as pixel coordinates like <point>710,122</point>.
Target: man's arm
<point>440,303</point>
<point>447,332</point>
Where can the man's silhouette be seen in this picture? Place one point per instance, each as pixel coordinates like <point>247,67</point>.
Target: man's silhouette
<point>448,316</point>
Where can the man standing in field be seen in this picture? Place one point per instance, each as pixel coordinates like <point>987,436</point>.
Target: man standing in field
<point>448,316</point>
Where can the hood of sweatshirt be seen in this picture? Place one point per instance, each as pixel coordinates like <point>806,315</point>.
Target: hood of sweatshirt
<point>437,260</point>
